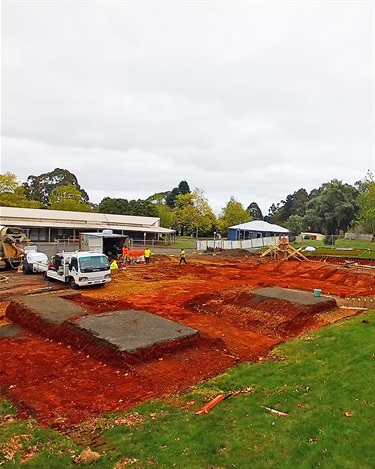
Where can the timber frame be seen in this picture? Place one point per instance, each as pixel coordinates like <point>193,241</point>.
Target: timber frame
<point>284,251</point>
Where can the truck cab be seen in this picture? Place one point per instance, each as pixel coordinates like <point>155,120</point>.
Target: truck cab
<point>79,269</point>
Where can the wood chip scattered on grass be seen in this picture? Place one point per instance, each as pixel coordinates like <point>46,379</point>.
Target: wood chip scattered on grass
<point>275,412</point>
<point>87,457</point>
<point>207,407</point>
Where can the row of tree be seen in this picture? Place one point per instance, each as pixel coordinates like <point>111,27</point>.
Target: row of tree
<point>334,208</point>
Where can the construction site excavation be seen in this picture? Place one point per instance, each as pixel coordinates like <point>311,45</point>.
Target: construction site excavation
<point>157,329</point>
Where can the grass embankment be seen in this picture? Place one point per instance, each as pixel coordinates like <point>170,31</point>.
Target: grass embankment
<point>324,381</point>
<point>341,248</point>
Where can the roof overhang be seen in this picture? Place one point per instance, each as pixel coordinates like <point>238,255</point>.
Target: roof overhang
<point>38,218</point>
<point>260,227</point>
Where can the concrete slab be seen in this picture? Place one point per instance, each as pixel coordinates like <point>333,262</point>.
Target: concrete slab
<point>108,335</point>
<point>293,296</point>
<point>50,308</point>
<point>9,330</point>
<point>133,330</point>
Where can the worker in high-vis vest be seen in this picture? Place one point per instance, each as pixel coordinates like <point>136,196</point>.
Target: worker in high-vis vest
<point>114,265</point>
<point>182,256</point>
<point>147,255</point>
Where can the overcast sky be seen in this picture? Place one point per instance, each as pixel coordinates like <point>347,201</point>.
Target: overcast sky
<point>247,99</point>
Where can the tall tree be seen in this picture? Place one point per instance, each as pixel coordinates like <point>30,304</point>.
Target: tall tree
<point>183,188</point>
<point>295,224</point>
<point>165,214</point>
<point>183,212</point>
<point>271,212</point>
<point>115,206</point>
<point>334,209</point>
<point>366,201</point>
<point>67,198</point>
<point>12,194</point>
<point>8,183</point>
<point>205,219</point>
<point>361,185</point>
<point>40,187</point>
<point>163,211</point>
<point>254,211</point>
<point>192,213</point>
<point>141,208</point>
<point>171,197</point>
<point>294,204</point>
<point>232,214</point>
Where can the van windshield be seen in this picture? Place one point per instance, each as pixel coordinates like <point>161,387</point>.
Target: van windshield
<point>93,263</point>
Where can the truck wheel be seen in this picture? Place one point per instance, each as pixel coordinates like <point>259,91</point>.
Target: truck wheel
<point>27,269</point>
<point>72,283</point>
<point>14,262</point>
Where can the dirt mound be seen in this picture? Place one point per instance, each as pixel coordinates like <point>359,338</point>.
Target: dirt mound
<point>236,253</point>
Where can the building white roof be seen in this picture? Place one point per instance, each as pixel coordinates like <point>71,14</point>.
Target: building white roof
<point>15,216</point>
<point>260,226</point>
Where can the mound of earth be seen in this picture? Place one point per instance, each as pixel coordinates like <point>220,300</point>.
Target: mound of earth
<point>236,253</point>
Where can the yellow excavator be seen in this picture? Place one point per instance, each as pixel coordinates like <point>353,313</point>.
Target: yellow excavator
<point>12,242</point>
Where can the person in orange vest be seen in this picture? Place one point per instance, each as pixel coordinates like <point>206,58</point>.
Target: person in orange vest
<point>147,255</point>
<point>125,254</point>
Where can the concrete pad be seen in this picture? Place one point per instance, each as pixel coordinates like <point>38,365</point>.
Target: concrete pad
<point>9,330</point>
<point>106,335</point>
<point>132,330</point>
<point>49,308</point>
<point>298,297</point>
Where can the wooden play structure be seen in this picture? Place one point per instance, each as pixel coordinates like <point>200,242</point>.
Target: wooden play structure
<point>284,251</point>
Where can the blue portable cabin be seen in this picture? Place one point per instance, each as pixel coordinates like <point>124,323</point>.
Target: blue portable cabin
<point>255,229</point>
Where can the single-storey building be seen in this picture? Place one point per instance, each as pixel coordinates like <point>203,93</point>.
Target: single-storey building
<point>42,225</point>
<point>255,229</point>
<point>313,236</point>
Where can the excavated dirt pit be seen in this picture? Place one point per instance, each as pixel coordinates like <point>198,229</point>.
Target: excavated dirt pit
<point>275,312</point>
<point>123,335</point>
<point>241,307</point>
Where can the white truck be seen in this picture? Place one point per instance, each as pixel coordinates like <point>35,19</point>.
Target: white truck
<point>79,269</point>
<point>34,261</point>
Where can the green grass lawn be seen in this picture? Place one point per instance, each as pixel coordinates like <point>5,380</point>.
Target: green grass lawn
<point>341,248</point>
<point>185,242</point>
<point>324,381</point>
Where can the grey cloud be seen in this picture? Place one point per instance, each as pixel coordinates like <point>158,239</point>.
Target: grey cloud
<point>249,99</point>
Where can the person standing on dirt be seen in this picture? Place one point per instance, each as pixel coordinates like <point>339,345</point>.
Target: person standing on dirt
<point>125,254</point>
<point>114,265</point>
<point>182,256</point>
<point>147,255</point>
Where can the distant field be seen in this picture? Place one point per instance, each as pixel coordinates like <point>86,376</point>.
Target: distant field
<point>342,248</point>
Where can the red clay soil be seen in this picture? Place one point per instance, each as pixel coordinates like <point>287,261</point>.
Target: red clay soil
<point>60,386</point>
